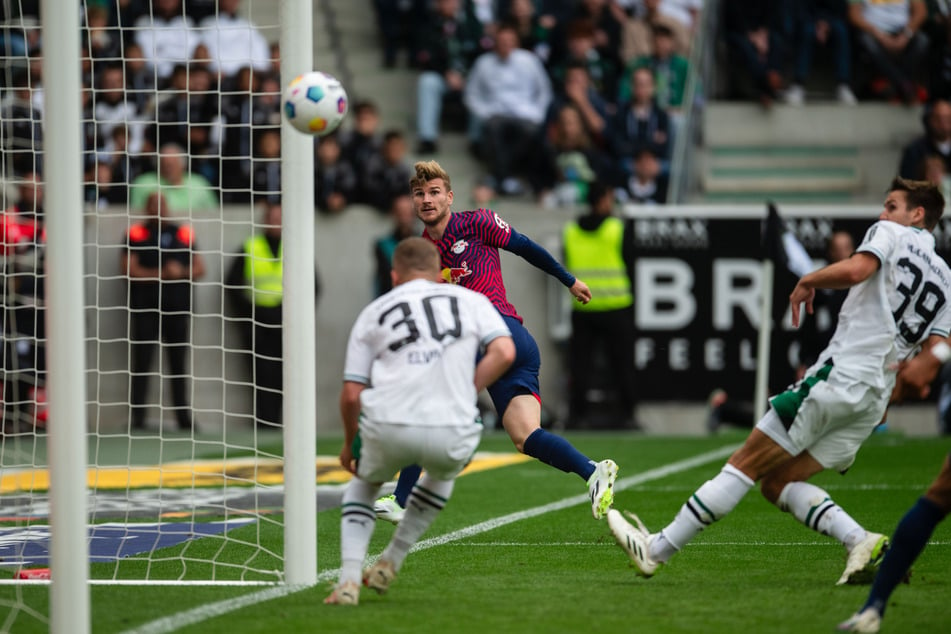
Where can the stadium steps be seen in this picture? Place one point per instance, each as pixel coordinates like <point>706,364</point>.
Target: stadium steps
<point>821,152</point>
<point>359,50</point>
<point>783,173</point>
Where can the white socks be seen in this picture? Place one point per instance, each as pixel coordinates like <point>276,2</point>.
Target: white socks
<point>428,498</point>
<point>357,521</point>
<point>812,506</point>
<point>714,499</point>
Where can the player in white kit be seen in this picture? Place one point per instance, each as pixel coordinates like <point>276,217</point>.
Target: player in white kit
<point>410,384</point>
<point>898,302</point>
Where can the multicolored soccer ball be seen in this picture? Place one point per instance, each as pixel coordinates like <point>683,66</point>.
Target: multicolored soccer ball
<point>315,103</point>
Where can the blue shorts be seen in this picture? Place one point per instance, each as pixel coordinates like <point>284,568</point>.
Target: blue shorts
<point>522,377</point>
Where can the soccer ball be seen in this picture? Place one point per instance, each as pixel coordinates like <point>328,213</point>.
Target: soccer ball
<point>315,103</point>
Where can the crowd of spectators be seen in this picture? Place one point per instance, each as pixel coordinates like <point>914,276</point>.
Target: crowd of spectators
<point>548,91</point>
<point>552,94</point>
<point>182,96</point>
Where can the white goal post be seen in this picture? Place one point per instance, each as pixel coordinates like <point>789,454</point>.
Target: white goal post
<point>83,476</point>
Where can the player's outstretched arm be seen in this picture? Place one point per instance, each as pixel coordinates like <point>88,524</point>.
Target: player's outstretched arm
<point>539,257</point>
<point>499,356</point>
<point>843,274</point>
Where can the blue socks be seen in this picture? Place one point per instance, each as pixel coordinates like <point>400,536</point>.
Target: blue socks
<point>556,451</point>
<point>910,538</point>
<point>404,486</point>
<point>551,449</point>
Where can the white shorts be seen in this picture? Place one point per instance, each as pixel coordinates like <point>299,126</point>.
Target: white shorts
<point>442,452</point>
<point>828,417</point>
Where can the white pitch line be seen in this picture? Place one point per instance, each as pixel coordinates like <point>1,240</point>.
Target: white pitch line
<point>203,613</point>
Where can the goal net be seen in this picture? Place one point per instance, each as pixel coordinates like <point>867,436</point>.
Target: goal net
<point>181,157</point>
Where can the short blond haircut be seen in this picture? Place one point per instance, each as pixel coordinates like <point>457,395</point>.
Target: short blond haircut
<point>416,255</point>
<point>427,171</point>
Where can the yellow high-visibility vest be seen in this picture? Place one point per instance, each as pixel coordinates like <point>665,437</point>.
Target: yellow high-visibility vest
<point>595,257</point>
<point>264,271</point>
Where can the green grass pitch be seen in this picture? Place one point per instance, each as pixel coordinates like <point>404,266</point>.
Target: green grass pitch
<point>757,570</point>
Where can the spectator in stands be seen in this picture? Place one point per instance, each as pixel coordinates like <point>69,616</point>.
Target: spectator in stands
<point>103,42</point>
<point>124,165</point>
<point>24,299</point>
<point>21,130</point>
<point>601,246</point>
<point>939,54</point>
<point>823,23</point>
<point>890,35</point>
<point>139,80</point>
<point>97,183</point>
<point>276,58</point>
<point>396,19</point>
<point>189,117</point>
<point>233,42</point>
<point>640,124</point>
<point>387,172</point>
<point>637,35</point>
<point>167,37</point>
<point>607,20</point>
<point>447,44</point>
<point>250,105</point>
<point>576,89</point>
<point>182,191</point>
<point>23,218</point>
<point>935,140</point>
<point>266,170</point>
<point>754,38</point>
<point>254,284</point>
<point>573,161</point>
<point>647,184</point>
<point>335,180</point>
<point>361,141</point>
<point>113,108</point>
<point>161,260</point>
<point>404,225</point>
<point>535,29</point>
<point>670,71</point>
<point>507,94</point>
<point>22,35</point>
<point>935,171</point>
<point>580,49</point>
<point>685,12</point>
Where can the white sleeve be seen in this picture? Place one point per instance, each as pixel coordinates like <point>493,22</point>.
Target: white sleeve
<point>360,352</point>
<point>879,240</point>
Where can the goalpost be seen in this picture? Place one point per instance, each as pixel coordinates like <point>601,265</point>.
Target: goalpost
<point>209,500</point>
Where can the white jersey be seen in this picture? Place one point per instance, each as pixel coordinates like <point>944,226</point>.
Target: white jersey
<point>415,348</point>
<point>886,317</point>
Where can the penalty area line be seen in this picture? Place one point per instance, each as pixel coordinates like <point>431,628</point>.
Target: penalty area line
<point>202,613</point>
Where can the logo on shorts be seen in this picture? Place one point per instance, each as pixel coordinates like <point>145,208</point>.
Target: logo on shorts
<point>459,246</point>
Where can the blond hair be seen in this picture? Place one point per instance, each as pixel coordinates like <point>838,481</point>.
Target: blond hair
<point>427,171</point>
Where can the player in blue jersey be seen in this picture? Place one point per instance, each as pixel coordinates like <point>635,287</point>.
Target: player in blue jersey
<point>469,244</point>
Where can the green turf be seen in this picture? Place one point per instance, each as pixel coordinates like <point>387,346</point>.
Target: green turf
<point>758,570</point>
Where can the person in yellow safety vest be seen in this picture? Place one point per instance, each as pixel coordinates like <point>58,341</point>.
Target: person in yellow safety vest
<point>255,288</point>
<point>599,248</point>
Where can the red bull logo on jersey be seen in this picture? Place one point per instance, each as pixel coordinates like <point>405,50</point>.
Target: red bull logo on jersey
<point>453,274</point>
<point>459,246</point>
